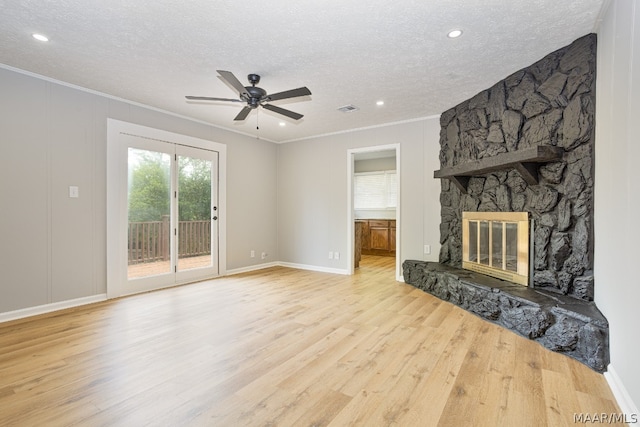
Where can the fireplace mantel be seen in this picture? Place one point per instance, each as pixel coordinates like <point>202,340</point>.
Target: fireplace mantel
<point>524,161</point>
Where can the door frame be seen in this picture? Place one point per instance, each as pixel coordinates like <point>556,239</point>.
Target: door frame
<point>116,172</point>
<point>351,212</point>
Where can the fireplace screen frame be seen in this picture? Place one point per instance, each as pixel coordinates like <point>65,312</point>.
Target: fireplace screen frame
<point>482,226</point>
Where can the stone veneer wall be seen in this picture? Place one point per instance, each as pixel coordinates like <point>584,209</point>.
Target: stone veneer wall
<point>552,102</point>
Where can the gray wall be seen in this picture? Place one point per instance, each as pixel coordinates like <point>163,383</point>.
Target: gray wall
<point>617,200</point>
<point>312,193</point>
<point>53,136</point>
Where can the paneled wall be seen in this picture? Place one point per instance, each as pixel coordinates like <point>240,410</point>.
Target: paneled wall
<point>617,199</point>
<point>54,136</point>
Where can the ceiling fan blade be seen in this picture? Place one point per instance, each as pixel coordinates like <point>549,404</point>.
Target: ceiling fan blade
<point>228,77</point>
<point>208,98</point>
<point>288,113</point>
<point>243,114</point>
<point>293,93</point>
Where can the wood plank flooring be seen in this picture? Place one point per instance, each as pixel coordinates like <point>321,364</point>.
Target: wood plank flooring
<point>285,347</point>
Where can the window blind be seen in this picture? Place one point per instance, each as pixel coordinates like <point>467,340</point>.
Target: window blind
<point>375,190</point>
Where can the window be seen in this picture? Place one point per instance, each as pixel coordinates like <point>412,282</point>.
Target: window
<point>375,190</point>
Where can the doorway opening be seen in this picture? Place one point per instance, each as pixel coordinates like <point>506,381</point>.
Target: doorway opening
<point>374,208</point>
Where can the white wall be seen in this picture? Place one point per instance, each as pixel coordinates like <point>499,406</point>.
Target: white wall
<point>617,199</point>
<point>312,193</point>
<point>53,136</point>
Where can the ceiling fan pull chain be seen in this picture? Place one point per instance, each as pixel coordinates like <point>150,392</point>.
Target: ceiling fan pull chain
<point>257,124</point>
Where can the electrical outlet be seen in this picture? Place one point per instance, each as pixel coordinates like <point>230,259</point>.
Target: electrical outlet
<point>330,255</point>
<point>74,192</point>
<point>252,254</point>
<point>427,249</point>
<point>336,255</point>
<point>264,255</point>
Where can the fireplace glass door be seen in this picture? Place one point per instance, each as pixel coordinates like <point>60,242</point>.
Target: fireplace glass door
<point>497,244</point>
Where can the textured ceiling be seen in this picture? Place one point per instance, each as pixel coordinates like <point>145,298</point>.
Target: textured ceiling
<point>155,52</point>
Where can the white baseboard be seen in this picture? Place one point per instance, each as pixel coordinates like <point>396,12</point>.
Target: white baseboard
<point>251,268</point>
<point>314,268</point>
<point>48,308</point>
<point>286,264</point>
<point>399,278</point>
<point>626,404</point>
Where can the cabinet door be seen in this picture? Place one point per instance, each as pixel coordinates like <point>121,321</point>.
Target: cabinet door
<point>379,231</point>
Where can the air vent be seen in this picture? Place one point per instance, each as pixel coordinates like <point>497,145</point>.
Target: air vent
<point>348,108</point>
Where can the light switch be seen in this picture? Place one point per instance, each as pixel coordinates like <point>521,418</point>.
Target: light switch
<point>74,192</point>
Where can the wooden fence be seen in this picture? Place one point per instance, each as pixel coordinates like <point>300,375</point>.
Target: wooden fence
<point>150,241</point>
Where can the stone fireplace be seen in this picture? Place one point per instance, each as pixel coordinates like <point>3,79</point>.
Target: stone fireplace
<point>523,146</point>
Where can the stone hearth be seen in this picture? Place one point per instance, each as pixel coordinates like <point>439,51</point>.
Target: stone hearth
<point>563,324</point>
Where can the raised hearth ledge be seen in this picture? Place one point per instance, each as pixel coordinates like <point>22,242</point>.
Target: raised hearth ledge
<point>562,324</point>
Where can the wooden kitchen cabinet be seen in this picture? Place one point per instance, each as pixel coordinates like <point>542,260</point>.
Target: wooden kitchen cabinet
<point>379,237</point>
<point>357,242</point>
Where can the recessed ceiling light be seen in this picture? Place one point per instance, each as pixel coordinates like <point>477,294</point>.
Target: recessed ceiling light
<point>40,37</point>
<point>380,103</point>
<point>282,123</point>
<point>454,34</point>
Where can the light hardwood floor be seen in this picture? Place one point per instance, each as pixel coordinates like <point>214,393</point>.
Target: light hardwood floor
<point>285,347</point>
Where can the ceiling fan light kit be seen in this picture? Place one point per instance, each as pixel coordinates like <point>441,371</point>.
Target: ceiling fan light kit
<point>254,96</point>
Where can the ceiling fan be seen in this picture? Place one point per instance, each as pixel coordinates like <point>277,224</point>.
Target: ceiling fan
<point>255,96</point>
